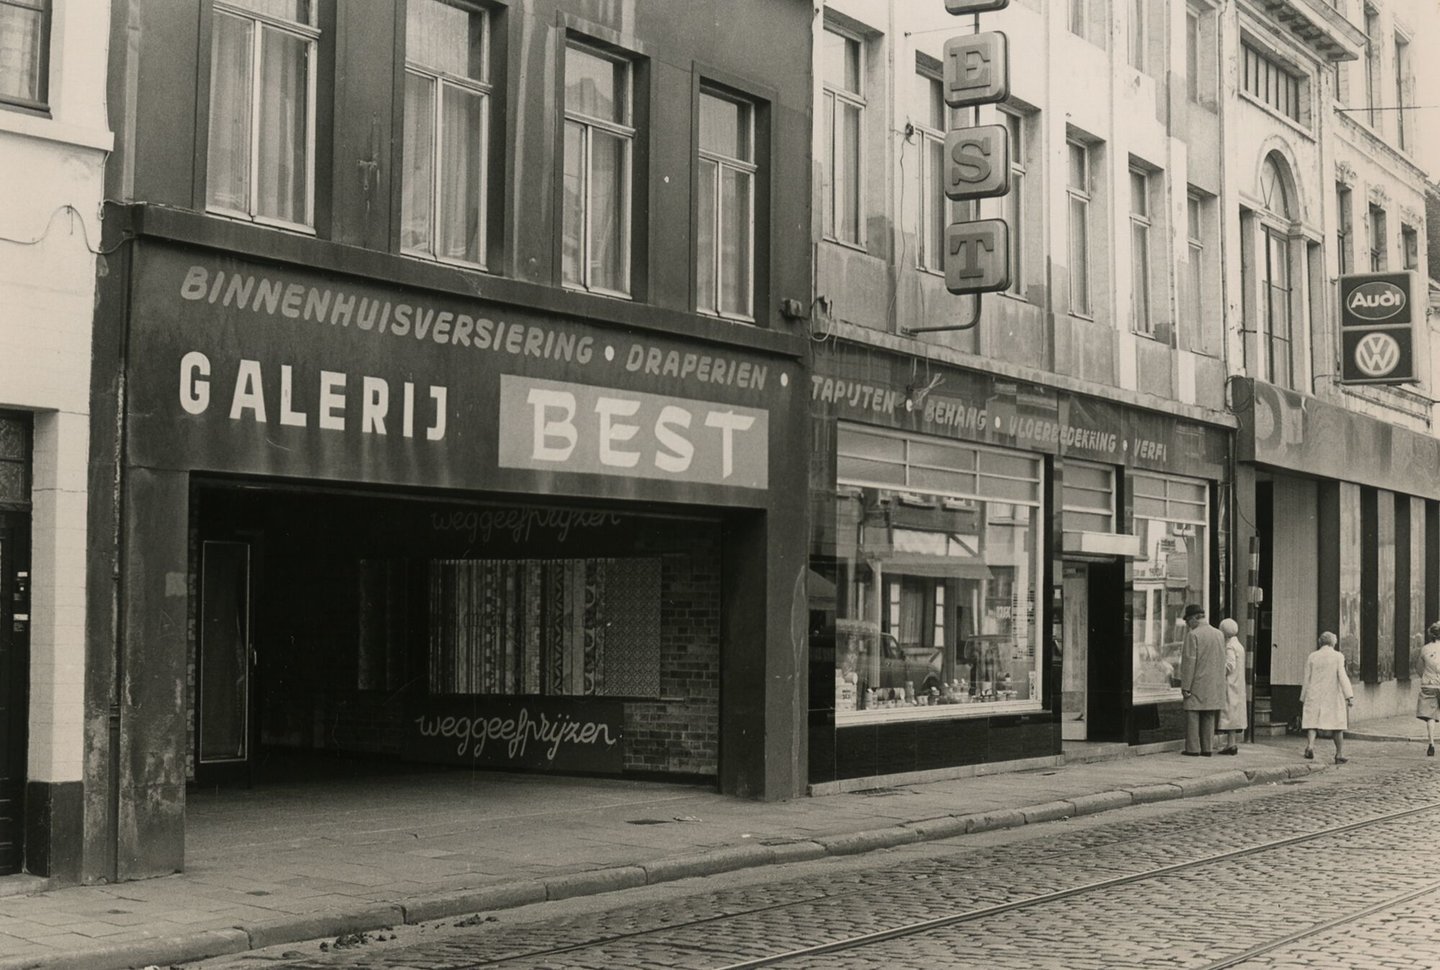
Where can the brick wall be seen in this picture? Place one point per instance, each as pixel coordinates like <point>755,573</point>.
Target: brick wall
<point>680,733</point>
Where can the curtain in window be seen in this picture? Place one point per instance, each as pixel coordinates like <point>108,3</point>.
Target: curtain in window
<point>847,173</point>
<point>283,188</point>
<point>608,180</point>
<point>572,236</point>
<point>462,125</point>
<point>562,627</point>
<point>228,172</point>
<point>933,205</point>
<point>735,209</point>
<point>415,205</point>
<point>708,190</point>
<point>1079,258</point>
<point>22,34</point>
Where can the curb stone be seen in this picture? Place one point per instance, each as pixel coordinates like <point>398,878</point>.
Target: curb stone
<point>1164,792</point>
<point>1101,802</point>
<point>1048,812</point>
<point>867,839</point>
<point>160,950</point>
<point>708,863</point>
<point>294,928</point>
<point>594,881</point>
<point>473,901</point>
<point>987,821</point>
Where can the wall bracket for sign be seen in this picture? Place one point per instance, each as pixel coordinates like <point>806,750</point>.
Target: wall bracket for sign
<point>970,325</point>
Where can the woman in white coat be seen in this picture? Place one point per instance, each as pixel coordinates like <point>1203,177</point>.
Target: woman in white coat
<point>1232,715</point>
<point>1326,697</point>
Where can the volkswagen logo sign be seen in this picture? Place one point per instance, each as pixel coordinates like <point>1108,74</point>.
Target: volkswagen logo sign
<point>1376,300</point>
<point>1377,354</point>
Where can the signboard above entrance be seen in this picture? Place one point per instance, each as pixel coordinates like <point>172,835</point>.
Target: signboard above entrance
<point>1377,318</point>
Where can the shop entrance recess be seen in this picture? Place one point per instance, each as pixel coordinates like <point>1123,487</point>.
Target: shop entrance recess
<point>1095,663</point>
<point>225,700</point>
<point>1074,666</point>
<point>14,684</point>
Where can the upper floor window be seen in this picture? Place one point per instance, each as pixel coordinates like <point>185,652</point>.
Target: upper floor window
<point>447,110</point>
<point>1077,187</point>
<point>936,211</point>
<point>1271,84</point>
<point>1372,63</point>
<point>1136,37</point>
<point>1140,225</point>
<point>24,52</point>
<point>261,159</point>
<point>1192,296</point>
<point>725,263</point>
<point>1344,229</point>
<point>1409,247</point>
<point>842,70</point>
<point>599,144</point>
<point>1378,261</point>
<point>1402,90</point>
<point>1077,17</point>
<point>1192,56</point>
<point>1014,200</point>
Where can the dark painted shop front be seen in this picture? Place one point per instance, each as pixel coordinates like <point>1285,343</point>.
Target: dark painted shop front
<point>370,521</point>
<point>996,567</point>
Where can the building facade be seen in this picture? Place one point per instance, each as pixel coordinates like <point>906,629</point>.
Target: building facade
<point>54,138</point>
<point>452,385</point>
<point>1012,505</point>
<point>1336,481</point>
<point>1009,518</point>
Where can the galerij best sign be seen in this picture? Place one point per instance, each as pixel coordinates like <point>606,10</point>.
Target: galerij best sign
<point>239,366</point>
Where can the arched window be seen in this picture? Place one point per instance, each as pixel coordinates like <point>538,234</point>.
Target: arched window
<point>1273,262</point>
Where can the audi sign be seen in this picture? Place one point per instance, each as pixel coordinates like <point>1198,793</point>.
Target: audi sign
<point>1376,320</point>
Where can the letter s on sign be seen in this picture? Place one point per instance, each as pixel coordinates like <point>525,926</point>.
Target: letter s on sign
<point>194,382</point>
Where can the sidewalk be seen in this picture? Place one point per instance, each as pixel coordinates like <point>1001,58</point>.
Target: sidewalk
<point>292,862</point>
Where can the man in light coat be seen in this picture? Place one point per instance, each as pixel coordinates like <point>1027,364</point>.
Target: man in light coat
<point>1202,681</point>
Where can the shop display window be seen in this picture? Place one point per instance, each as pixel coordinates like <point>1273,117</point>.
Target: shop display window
<point>923,584</point>
<point>557,627</point>
<point>1170,518</point>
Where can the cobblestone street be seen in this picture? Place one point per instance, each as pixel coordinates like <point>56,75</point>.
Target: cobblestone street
<point>1197,884</point>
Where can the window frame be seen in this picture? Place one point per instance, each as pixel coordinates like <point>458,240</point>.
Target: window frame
<point>1272,84</point>
<point>1371,26</point>
<point>486,89</point>
<point>1141,223</point>
<point>833,97</point>
<point>1276,242</point>
<point>40,104</point>
<point>310,32</point>
<point>750,116</point>
<point>1404,138</point>
<point>1014,200</point>
<point>1082,196</point>
<point>1378,224</point>
<point>1135,53</point>
<point>1344,228</point>
<point>1409,247</point>
<point>1192,301</point>
<point>629,134</point>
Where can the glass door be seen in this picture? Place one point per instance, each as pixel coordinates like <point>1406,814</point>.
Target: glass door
<point>1075,663</point>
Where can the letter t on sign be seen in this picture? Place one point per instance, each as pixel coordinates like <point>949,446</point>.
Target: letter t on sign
<point>977,256</point>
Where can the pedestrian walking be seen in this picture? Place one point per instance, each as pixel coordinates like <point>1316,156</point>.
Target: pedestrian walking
<point>1202,681</point>
<point>1232,715</point>
<point>1326,697</point>
<point>1427,705</point>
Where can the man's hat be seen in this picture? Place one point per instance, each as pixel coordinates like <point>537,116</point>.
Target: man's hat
<point>1194,609</point>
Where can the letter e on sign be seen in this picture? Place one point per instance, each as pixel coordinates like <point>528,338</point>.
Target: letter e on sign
<point>977,69</point>
<point>977,163</point>
<point>977,256</point>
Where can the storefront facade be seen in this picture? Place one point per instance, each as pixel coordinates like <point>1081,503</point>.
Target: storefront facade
<point>369,519</point>
<point>1345,514</point>
<point>996,566</point>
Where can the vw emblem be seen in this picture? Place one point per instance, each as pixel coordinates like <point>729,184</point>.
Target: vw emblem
<point>1377,354</point>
